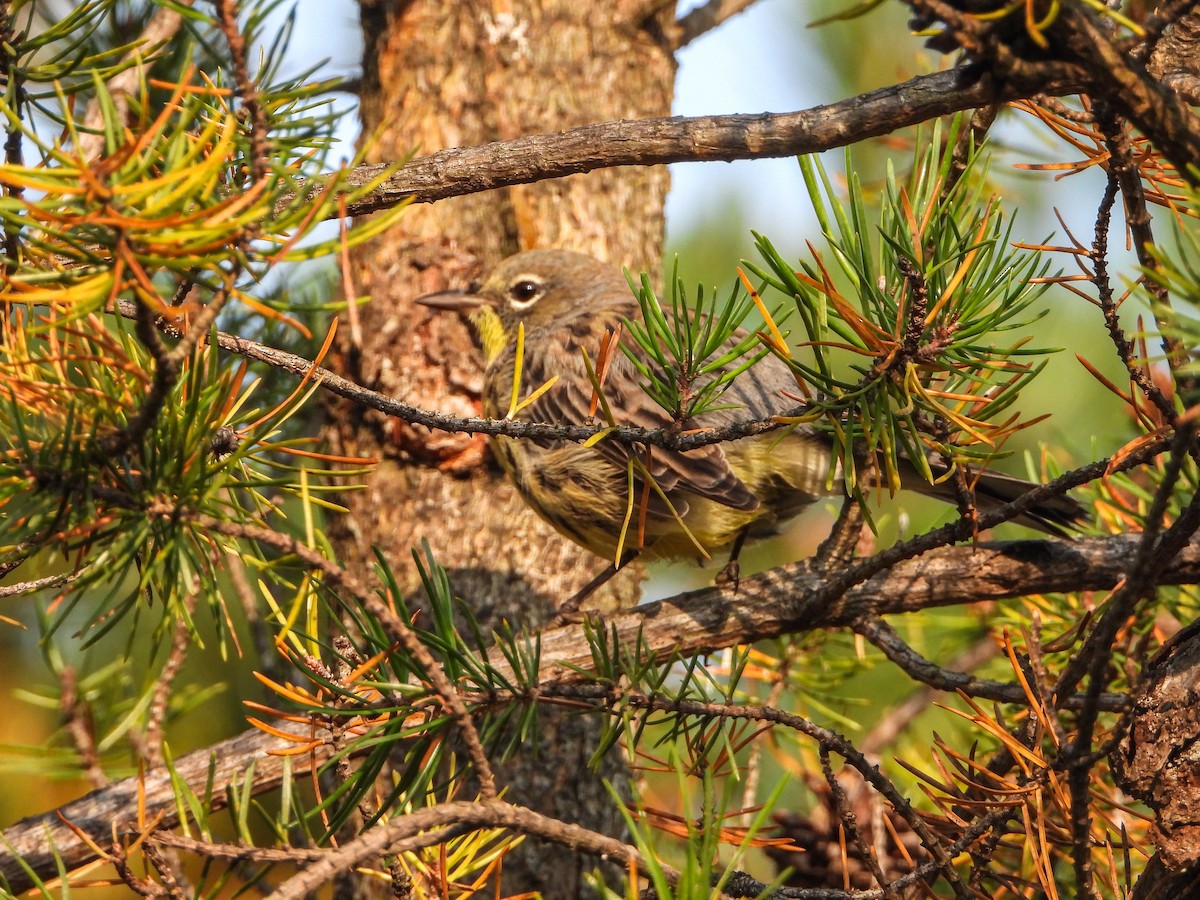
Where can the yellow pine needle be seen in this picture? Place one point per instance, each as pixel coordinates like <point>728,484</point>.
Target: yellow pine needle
<point>648,479</point>
<point>296,694</point>
<point>305,743</point>
<point>518,364</point>
<point>1037,850</point>
<point>872,335</point>
<point>323,457</point>
<point>999,13</point>
<point>366,666</point>
<point>92,290</point>
<point>312,618</point>
<point>537,393</point>
<point>64,183</point>
<point>268,312</point>
<point>1035,27</point>
<point>912,383</point>
<point>962,400</point>
<point>629,483</point>
<point>644,504</point>
<point>289,619</point>
<point>964,266</point>
<point>919,242</point>
<point>1019,751</point>
<point>1099,376</point>
<point>1035,702</point>
<point>325,345</point>
<point>1126,22</point>
<point>599,436</point>
<point>889,465</point>
<point>779,344</point>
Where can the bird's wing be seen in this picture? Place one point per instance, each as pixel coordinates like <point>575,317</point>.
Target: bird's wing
<point>703,472</point>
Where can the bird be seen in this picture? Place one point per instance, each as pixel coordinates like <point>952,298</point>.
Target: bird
<point>549,307</point>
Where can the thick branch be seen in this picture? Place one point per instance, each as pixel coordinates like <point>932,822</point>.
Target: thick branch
<point>469,170</point>
<point>781,601</point>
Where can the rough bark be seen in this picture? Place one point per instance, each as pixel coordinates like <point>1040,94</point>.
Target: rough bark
<point>439,75</point>
<point>1158,761</point>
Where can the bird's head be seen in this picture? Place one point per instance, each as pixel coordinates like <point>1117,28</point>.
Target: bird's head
<point>540,289</point>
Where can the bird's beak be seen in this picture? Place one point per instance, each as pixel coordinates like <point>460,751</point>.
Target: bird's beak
<point>453,301</point>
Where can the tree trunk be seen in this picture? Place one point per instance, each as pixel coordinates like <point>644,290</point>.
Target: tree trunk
<point>446,74</point>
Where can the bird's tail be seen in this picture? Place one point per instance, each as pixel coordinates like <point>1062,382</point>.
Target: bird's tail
<point>1055,515</point>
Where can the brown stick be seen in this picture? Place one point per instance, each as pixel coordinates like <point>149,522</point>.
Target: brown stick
<point>524,160</point>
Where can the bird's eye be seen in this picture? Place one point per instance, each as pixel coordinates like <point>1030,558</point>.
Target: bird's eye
<point>524,292</point>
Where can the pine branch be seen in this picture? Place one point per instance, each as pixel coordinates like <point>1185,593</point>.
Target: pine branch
<point>58,837</point>
<point>524,160</point>
<point>787,600</point>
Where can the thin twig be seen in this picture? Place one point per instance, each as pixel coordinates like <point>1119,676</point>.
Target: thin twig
<point>235,852</point>
<point>160,701</point>
<point>227,15</point>
<point>850,823</point>
<point>38,584</point>
<point>416,830</point>
<point>1112,321</point>
<point>80,727</point>
<point>889,642</point>
<point>344,387</point>
<point>704,19</point>
<point>1137,219</point>
<point>168,872</point>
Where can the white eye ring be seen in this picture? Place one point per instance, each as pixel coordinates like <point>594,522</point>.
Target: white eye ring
<point>524,292</point>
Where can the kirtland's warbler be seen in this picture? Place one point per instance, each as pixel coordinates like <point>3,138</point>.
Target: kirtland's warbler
<point>722,493</point>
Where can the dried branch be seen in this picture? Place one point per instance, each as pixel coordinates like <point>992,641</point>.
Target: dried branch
<point>1108,305</point>
<point>646,142</point>
<point>79,725</point>
<point>181,642</point>
<point>344,387</point>
<point>704,19</point>
<point>235,853</point>
<point>790,599</point>
<point>1137,219</point>
<point>415,830</point>
<point>884,637</point>
<point>248,93</point>
<point>1084,48</point>
<point>850,823</point>
<point>162,27</point>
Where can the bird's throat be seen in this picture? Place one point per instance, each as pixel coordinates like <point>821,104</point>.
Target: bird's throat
<point>492,336</point>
